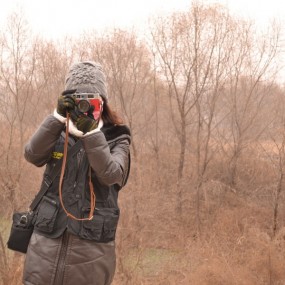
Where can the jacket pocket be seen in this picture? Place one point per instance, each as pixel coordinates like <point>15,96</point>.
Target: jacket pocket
<point>110,225</point>
<point>46,215</point>
<point>92,229</point>
<point>102,228</point>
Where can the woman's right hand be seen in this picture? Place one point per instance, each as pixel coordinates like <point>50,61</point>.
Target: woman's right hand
<point>65,102</point>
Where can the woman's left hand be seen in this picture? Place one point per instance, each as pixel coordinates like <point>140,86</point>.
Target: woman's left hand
<point>83,122</point>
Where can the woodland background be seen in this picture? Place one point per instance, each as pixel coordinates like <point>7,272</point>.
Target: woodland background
<point>203,94</point>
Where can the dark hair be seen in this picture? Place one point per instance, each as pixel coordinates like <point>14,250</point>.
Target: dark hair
<point>109,116</point>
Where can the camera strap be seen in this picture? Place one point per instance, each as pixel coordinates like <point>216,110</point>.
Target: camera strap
<point>48,179</point>
<point>91,188</point>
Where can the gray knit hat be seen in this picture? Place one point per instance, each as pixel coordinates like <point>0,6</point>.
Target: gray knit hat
<point>87,77</point>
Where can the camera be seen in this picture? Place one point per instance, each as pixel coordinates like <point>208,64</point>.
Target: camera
<point>86,100</point>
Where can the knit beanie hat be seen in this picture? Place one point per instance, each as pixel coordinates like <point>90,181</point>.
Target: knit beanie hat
<point>87,77</point>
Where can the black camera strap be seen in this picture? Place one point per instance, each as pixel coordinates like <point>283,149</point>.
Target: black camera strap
<point>48,179</point>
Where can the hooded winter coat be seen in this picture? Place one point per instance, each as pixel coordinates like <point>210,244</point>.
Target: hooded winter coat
<point>63,251</point>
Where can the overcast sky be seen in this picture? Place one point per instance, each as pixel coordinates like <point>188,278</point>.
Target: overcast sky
<point>56,18</point>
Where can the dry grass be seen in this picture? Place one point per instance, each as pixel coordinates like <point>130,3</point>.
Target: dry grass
<point>158,245</point>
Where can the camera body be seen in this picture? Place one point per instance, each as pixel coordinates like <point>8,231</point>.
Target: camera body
<point>86,101</point>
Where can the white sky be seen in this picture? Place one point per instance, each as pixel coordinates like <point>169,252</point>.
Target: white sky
<point>56,18</point>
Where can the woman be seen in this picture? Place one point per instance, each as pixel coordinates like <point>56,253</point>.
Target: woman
<point>73,242</point>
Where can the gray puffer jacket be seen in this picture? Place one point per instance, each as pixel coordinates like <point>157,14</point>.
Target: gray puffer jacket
<point>107,153</point>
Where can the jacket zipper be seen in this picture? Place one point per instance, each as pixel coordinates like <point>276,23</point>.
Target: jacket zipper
<point>58,280</point>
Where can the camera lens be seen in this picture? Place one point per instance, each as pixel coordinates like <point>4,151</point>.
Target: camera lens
<point>83,106</point>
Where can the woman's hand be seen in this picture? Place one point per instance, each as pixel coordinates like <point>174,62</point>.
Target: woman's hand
<point>65,102</point>
<point>84,123</point>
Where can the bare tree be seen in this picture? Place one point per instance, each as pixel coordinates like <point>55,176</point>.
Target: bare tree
<point>194,48</point>
<point>17,61</point>
<point>252,62</point>
<point>273,152</point>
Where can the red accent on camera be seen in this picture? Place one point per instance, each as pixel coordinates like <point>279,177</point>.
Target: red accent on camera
<point>98,107</point>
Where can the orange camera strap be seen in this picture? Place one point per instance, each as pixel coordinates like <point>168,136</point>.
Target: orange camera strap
<point>91,188</point>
